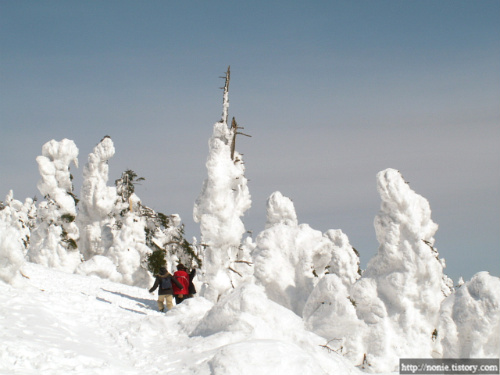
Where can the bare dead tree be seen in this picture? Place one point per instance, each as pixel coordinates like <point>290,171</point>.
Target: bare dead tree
<point>225,112</point>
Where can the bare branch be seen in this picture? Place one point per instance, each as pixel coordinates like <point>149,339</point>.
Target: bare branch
<point>235,271</point>
<point>246,135</point>
<point>243,261</point>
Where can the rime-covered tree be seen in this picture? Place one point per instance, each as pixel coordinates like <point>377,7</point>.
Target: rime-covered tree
<point>125,186</point>
<point>165,238</point>
<point>124,256</point>
<point>97,202</point>
<point>16,221</point>
<point>469,321</point>
<point>121,238</point>
<point>54,239</point>
<point>222,202</point>
<point>304,255</point>
<point>392,311</point>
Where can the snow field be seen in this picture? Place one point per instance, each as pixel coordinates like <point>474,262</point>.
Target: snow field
<point>59,323</point>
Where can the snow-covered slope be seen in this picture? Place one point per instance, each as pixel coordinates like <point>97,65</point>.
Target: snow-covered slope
<point>58,323</point>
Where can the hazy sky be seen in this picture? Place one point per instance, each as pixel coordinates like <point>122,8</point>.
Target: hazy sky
<point>331,92</point>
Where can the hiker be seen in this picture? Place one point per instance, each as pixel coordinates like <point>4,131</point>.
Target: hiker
<point>180,292</point>
<point>165,283</point>
<point>191,289</point>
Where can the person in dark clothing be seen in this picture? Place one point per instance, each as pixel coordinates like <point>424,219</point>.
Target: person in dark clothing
<point>165,283</point>
<point>181,292</point>
<point>192,288</point>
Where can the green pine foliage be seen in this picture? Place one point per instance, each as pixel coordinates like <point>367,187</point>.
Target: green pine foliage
<point>163,237</point>
<point>125,186</point>
<point>156,260</point>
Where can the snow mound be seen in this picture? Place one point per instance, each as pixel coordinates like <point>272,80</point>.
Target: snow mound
<point>261,333</point>
<point>248,310</point>
<point>99,266</point>
<point>261,356</point>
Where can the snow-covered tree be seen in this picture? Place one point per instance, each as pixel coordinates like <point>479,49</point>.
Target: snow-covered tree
<point>469,323</point>
<point>165,238</point>
<point>222,202</point>
<point>16,221</point>
<point>97,202</point>
<point>54,240</point>
<point>118,233</point>
<point>401,291</point>
<point>394,306</point>
<point>124,256</point>
<point>290,258</point>
<point>125,186</point>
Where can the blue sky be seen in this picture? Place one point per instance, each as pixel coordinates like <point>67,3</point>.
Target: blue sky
<point>331,92</point>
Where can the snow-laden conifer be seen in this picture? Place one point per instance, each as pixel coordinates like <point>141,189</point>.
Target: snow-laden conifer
<point>54,240</point>
<point>469,323</point>
<point>222,202</point>
<point>97,202</point>
<point>392,311</point>
<point>165,239</point>
<point>129,251</point>
<point>16,220</point>
<point>289,258</point>
<point>400,293</point>
<point>124,257</point>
